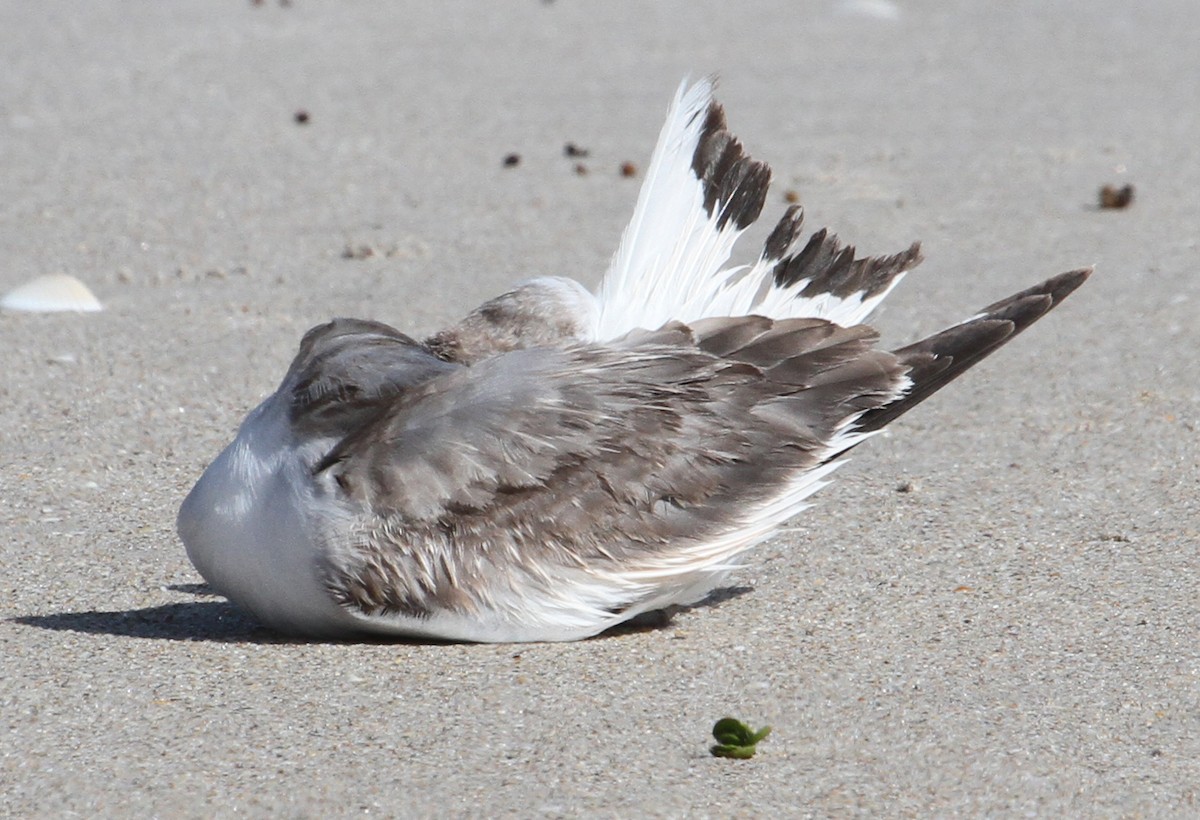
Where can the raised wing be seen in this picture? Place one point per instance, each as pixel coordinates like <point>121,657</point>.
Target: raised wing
<point>700,193</point>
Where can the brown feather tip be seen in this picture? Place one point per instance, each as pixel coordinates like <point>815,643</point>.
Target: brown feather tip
<point>732,180</point>
<point>830,267</point>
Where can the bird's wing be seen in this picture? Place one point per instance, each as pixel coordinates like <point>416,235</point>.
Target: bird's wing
<point>632,468</point>
<point>941,358</point>
<point>701,191</point>
<point>566,489</point>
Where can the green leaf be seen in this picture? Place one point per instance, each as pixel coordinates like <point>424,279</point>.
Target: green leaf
<point>733,751</point>
<point>735,739</point>
<point>731,731</point>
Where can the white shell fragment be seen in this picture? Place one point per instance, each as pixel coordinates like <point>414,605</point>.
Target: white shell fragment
<point>878,9</point>
<point>50,294</point>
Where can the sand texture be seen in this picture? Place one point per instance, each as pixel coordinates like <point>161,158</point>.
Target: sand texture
<point>992,612</point>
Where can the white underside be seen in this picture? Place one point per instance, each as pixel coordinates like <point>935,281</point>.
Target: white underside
<point>252,526</point>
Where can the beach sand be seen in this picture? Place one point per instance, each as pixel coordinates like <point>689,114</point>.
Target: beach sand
<point>994,609</point>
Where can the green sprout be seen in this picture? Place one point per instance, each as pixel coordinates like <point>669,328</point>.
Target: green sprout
<point>735,739</point>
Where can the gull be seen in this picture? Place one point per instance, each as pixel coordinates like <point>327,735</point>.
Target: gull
<point>558,463</point>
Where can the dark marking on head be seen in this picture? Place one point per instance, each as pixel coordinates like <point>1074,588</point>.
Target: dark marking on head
<point>345,368</point>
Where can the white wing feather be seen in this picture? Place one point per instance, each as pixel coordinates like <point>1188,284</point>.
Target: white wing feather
<point>670,263</point>
<point>672,248</point>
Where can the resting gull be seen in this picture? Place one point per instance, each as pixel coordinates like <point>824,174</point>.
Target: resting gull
<point>558,462</point>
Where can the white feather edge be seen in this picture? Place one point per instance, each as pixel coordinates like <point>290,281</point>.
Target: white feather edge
<point>745,291</point>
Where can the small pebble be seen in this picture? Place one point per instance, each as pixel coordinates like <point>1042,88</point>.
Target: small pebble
<point>1114,198</point>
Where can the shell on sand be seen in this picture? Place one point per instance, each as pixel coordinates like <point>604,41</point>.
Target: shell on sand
<point>878,9</point>
<point>51,293</point>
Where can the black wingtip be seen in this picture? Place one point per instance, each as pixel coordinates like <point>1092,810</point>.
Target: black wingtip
<point>785,233</point>
<point>1056,288</point>
<point>937,360</point>
<point>735,184</point>
<point>829,267</point>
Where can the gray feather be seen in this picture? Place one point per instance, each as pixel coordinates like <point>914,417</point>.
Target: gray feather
<point>588,456</point>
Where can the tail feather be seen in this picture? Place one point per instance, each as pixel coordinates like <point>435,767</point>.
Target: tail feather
<point>939,359</point>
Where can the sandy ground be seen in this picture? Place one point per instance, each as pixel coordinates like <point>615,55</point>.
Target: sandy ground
<point>1015,634</point>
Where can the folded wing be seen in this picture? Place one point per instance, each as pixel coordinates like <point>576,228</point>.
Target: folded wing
<point>609,479</point>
